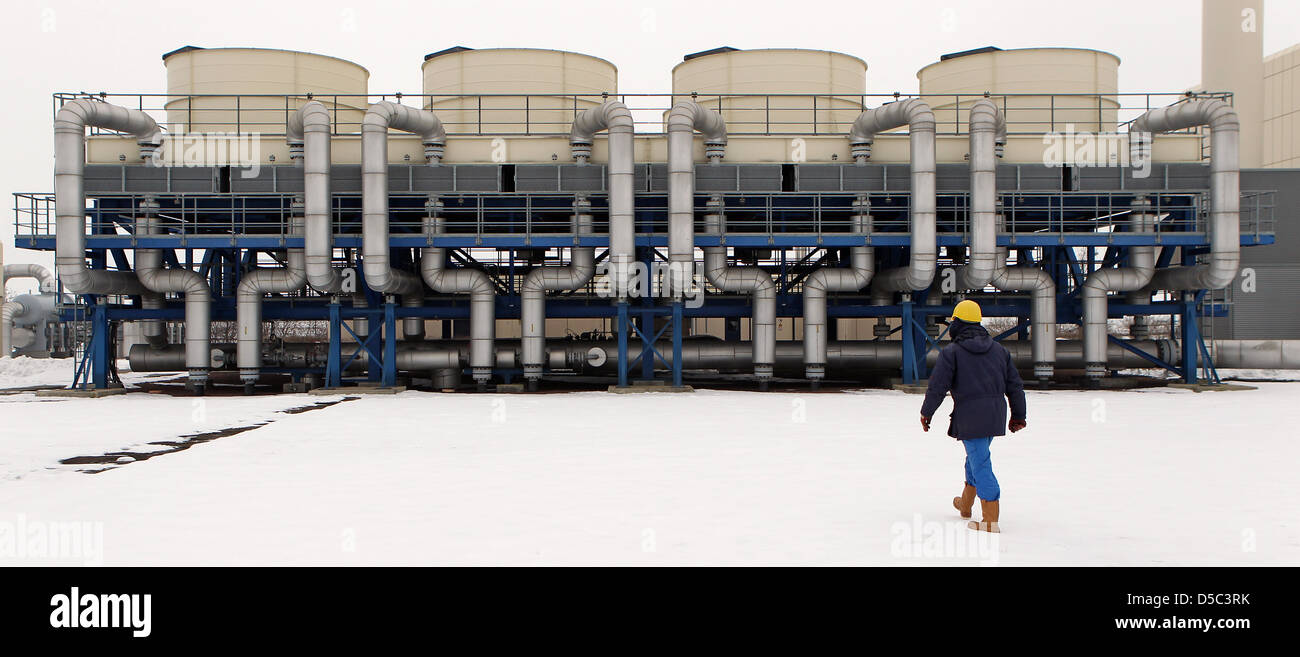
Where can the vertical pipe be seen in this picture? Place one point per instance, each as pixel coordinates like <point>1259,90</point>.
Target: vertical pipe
<point>683,120</point>
<point>476,283</point>
<point>382,116</point>
<point>851,279</point>
<point>744,279</point>
<point>915,114</point>
<point>540,280</point>
<point>290,278</point>
<point>198,298</point>
<point>1136,276</point>
<point>615,118</point>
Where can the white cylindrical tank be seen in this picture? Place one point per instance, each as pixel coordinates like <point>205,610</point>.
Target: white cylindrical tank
<point>254,90</point>
<point>514,90</point>
<point>1049,88</point>
<point>748,87</point>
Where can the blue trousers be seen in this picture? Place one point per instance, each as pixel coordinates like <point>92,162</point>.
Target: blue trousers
<point>979,469</point>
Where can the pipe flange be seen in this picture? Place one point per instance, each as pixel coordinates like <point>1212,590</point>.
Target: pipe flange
<point>198,375</point>
<point>433,151</point>
<point>1096,370</point>
<point>482,374</point>
<point>581,150</point>
<point>532,371</point>
<point>763,370</point>
<point>1044,370</point>
<point>815,371</point>
<point>715,150</point>
<point>247,375</point>
<point>860,150</point>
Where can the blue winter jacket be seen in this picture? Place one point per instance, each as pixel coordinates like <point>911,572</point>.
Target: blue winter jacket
<point>980,374</point>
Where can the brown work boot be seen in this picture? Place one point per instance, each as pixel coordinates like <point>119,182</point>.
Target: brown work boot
<point>989,523</point>
<point>966,502</point>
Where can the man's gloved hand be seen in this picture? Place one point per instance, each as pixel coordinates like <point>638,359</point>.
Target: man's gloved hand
<point>925,423</point>
<point>1016,425</point>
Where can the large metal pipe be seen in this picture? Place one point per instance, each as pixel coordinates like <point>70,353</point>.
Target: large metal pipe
<point>70,192</point>
<point>615,118</point>
<point>916,114</point>
<point>1225,188</point>
<point>684,119</point>
<point>44,279</point>
<point>988,133</point>
<point>198,298</point>
<point>1256,354</point>
<point>543,279</point>
<point>308,134</point>
<point>1042,305</point>
<point>482,299</point>
<point>380,118</point>
<point>289,278</point>
<point>857,275</point>
<point>744,279</point>
<point>1142,264</point>
<point>8,311</point>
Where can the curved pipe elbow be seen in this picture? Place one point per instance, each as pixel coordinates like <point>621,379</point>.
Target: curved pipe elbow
<point>690,116</point>
<point>912,112</point>
<point>385,115</point>
<point>611,115</point>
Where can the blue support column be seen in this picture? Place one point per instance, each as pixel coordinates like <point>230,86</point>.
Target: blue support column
<point>333,369</point>
<point>99,344</point>
<point>390,344</point>
<point>1191,338</point>
<point>622,344</point>
<point>909,344</point>
<point>677,344</point>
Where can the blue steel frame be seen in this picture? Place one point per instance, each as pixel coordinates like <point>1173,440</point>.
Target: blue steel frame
<point>224,253</point>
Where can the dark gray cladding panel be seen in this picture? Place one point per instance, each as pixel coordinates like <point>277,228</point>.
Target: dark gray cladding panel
<point>737,177</point>
<point>146,179</point>
<point>1179,176</point>
<point>105,178</point>
<point>753,177</point>
<point>582,178</point>
<point>346,178</point>
<point>651,177</point>
<point>425,178</point>
<point>559,178</point>
<point>477,178</point>
<point>952,177</point>
<point>192,179</point>
<point>1285,199</point>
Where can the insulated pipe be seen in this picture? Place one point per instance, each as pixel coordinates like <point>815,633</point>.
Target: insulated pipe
<point>152,329</point>
<point>413,327</point>
<point>482,300</point>
<point>44,279</point>
<point>309,132</point>
<point>615,118</point>
<point>684,119</point>
<point>543,279</point>
<point>198,298</point>
<point>988,132</point>
<point>379,273</point>
<point>70,192</point>
<point>1042,308</point>
<point>8,311</point>
<point>1225,188</point>
<point>916,114</point>
<point>1256,354</point>
<point>1142,264</point>
<point>834,279</point>
<point>744,279</point>
<point>289,278</point>
<point>848,357</point>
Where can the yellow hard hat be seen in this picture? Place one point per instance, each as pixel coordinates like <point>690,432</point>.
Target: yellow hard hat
<point>967,311</point>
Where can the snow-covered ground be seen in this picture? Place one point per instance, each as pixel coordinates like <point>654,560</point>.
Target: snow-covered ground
<point>1158,476</point>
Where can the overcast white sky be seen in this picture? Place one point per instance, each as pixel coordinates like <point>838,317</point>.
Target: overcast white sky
<point>116,46</point>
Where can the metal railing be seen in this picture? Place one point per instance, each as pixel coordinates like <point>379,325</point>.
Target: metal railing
<point>551,114</point>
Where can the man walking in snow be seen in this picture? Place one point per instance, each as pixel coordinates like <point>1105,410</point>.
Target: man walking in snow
<point>980,373</point>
